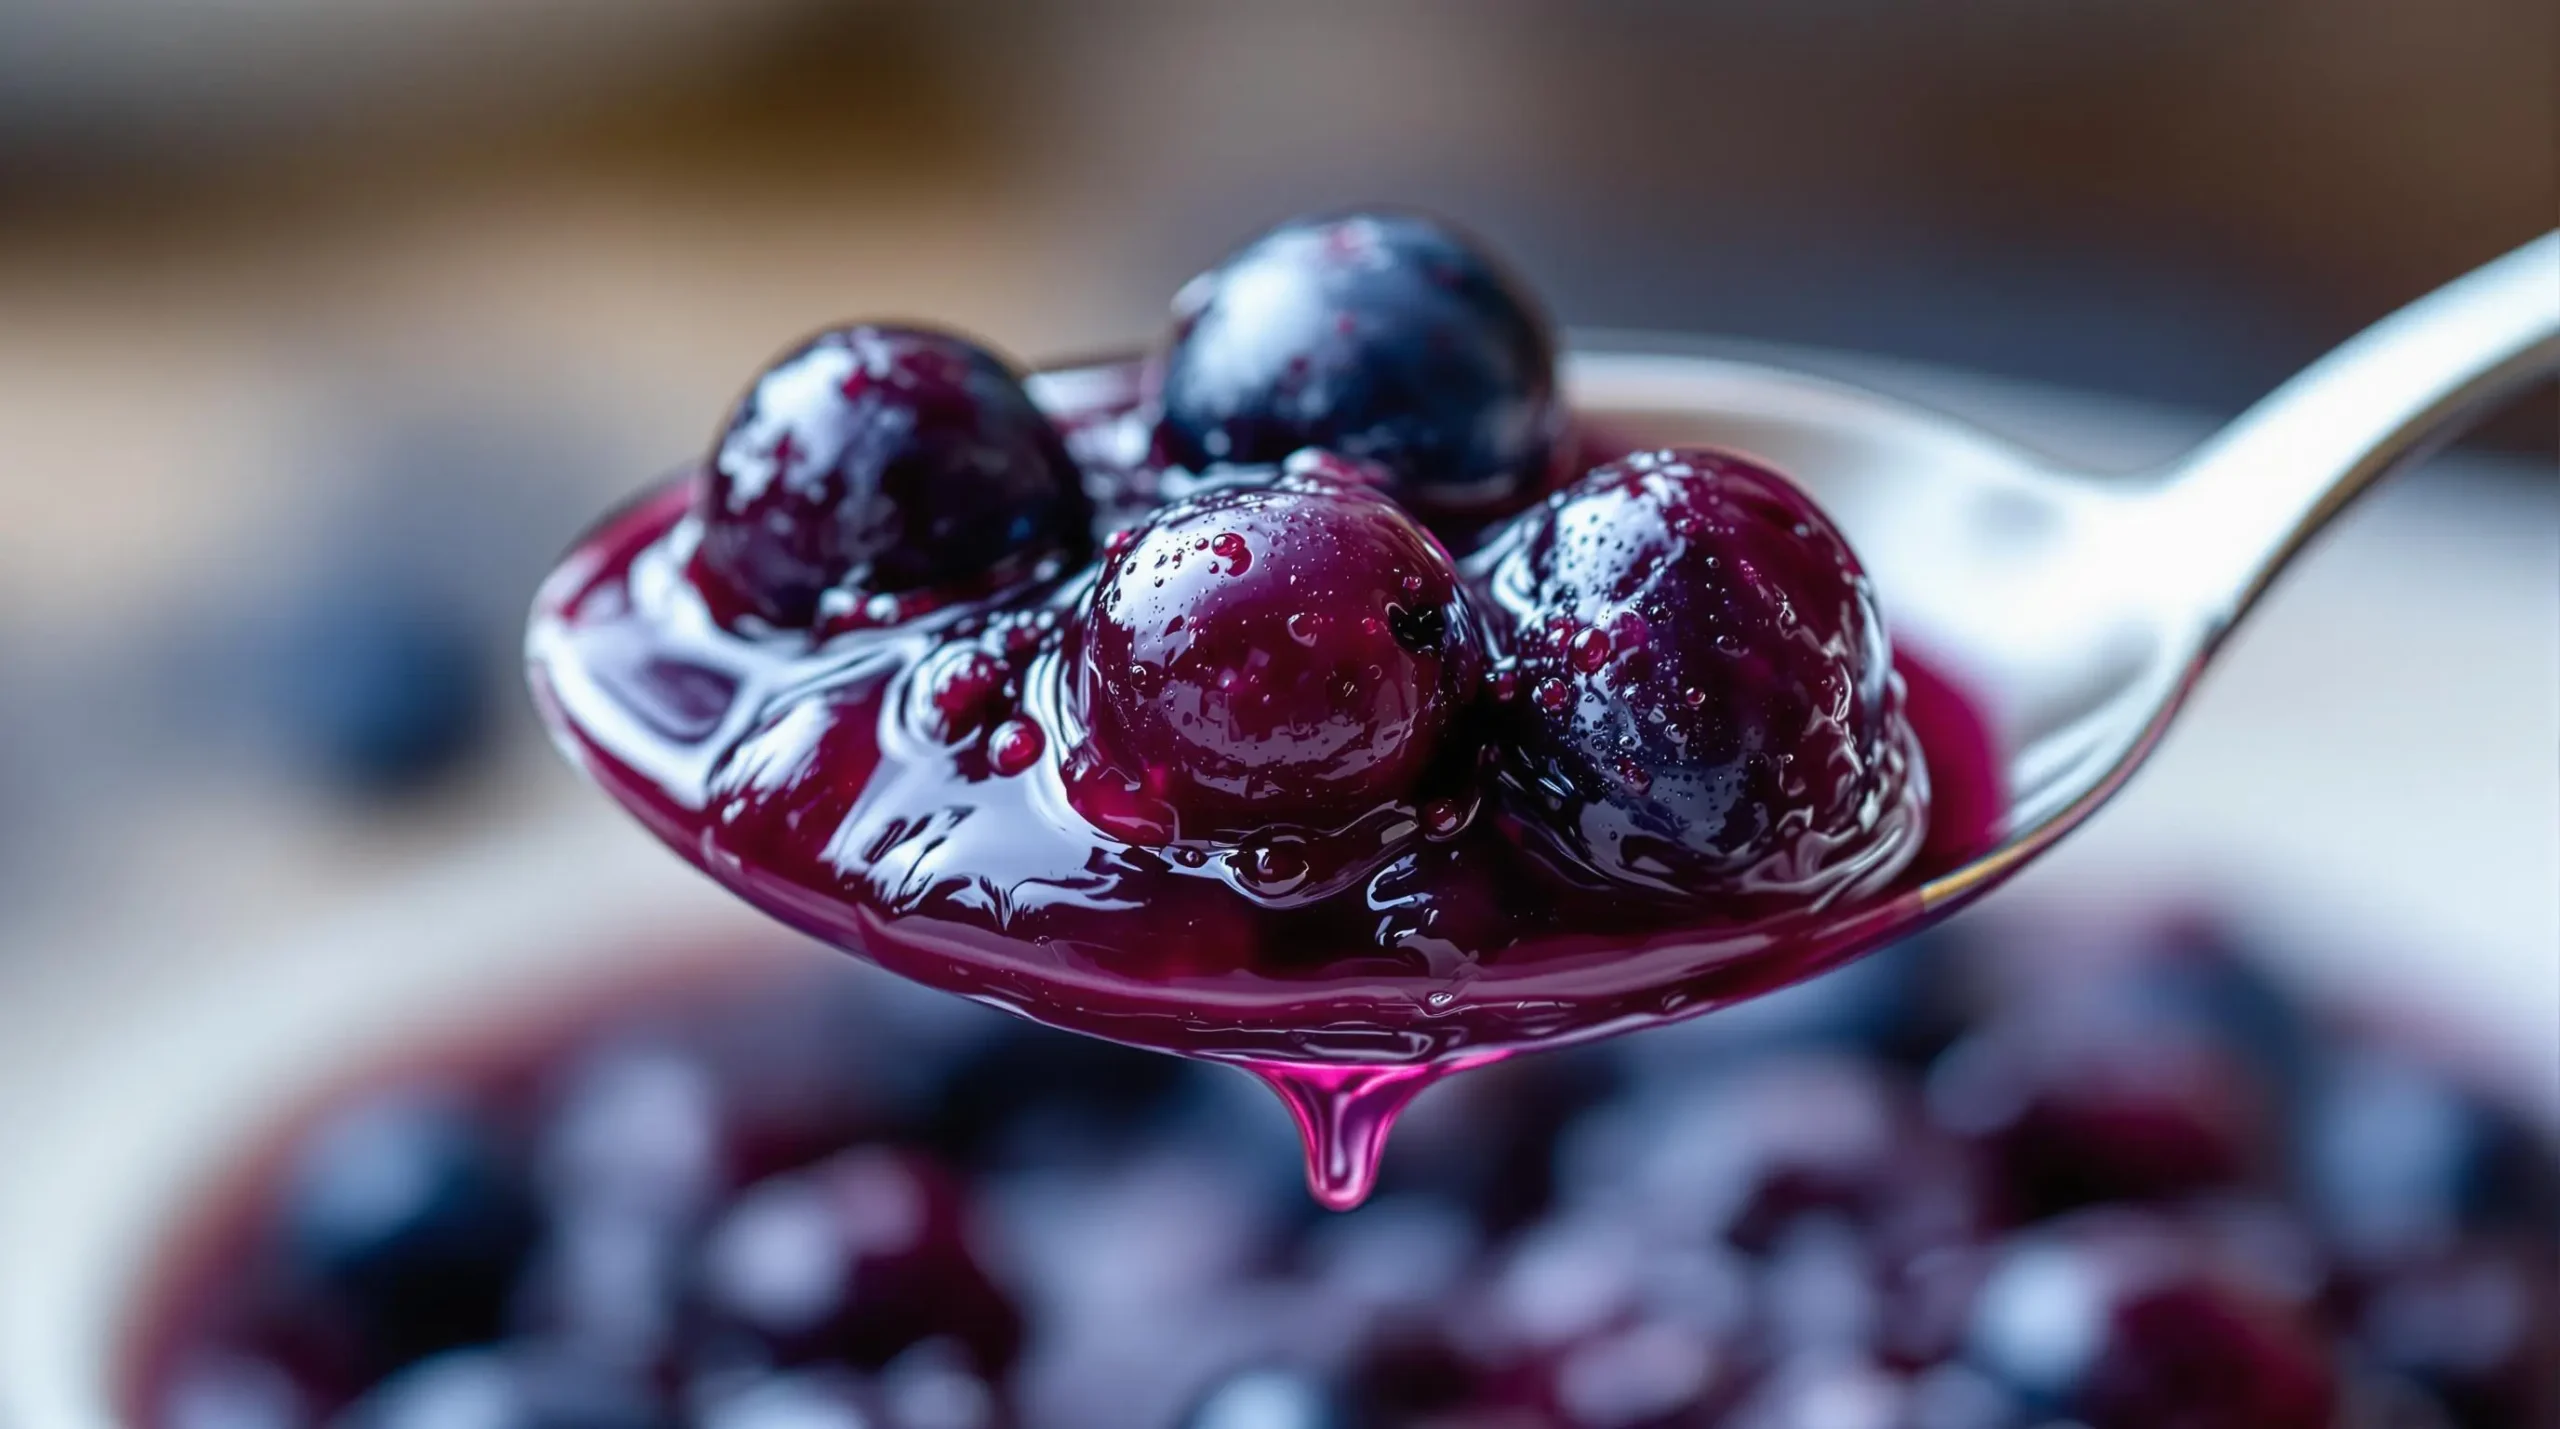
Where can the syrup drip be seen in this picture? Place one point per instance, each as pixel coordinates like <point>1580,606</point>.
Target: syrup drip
<point>1344,1114</point>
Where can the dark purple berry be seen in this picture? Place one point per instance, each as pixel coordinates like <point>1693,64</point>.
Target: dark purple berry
<point>1379,335</point>
<point>406,1225</point>
<point>879,460</point>
<point>1714,711</point>
<point>1290,654</point>
<point>852,1260</point>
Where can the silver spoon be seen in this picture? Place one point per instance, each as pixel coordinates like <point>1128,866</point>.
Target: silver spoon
<point>2077,609</point>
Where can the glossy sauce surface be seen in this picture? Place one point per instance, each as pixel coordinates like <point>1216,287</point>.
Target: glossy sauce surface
<point>916,785</point>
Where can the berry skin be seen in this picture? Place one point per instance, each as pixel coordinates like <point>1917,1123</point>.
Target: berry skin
<point>1378,335</point>
<point>1285,654</point>
<point>880,460</point>
<point>1713,708</point>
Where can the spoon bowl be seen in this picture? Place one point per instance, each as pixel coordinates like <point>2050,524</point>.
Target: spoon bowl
<point>2065,613</point>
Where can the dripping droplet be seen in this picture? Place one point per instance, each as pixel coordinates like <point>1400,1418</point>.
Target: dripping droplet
<point>1343,1116</point>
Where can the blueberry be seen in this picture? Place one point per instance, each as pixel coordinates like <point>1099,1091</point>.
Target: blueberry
<point>1705,704</point>
<point>1287,654</point>
<point>498,1389</point>
<point>2120,1322</point>
<point>880,460</point>
<point>853,1260</point>
<point>377,686</point>
<point>1385,336</point>
<point>407,1221</point>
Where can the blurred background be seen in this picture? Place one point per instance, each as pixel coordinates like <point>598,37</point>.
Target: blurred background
<point>324,327</point>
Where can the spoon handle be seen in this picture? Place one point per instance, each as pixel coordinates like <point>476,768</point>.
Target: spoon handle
<point>2243,503</point>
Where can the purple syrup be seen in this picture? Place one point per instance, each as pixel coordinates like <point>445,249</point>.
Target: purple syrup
<point>924,791</point>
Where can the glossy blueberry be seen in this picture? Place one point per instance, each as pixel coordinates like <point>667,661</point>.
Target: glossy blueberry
<point>1290,654</point>
<point>502,1389</point>
<point>852,1261</point>
<point>407,1222</point>
<point>2118,1321</point>
<point>1706,706</point>
<point>1380,335</point>
<point>880,460</point>
<point>2399,1158</point>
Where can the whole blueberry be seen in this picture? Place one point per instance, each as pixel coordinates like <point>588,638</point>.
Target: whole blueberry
<point>1281,654</point>
<point>377,685</point>
<point>406,1224</point>
<point>1704,704</point>
<point>501,1389</point>
<point>1387,336</point>
<point>881,460</point>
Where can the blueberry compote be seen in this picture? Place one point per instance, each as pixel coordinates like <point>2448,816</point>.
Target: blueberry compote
<point>823,1200</point>
<point>1205,705</point>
